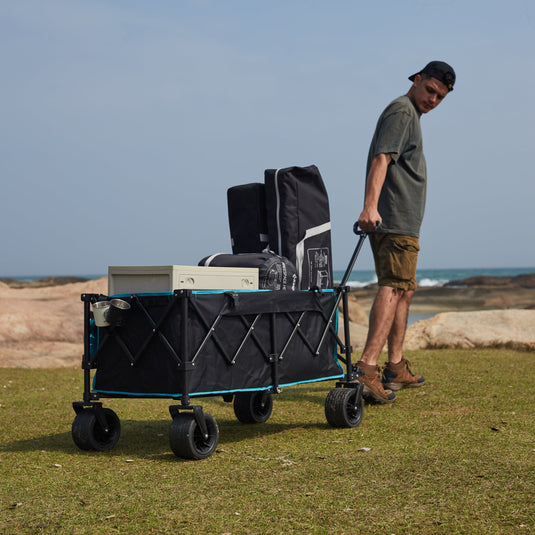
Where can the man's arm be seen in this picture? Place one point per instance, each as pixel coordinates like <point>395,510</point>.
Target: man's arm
<point>370,217</point>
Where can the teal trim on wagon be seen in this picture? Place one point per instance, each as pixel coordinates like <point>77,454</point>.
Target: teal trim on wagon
<point>218,393</point>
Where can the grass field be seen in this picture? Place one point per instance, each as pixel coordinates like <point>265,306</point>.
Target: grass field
<point>455,456</point>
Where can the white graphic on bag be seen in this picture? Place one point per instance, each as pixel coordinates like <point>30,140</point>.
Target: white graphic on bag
<point>278,278</point>
<point>318,267</point>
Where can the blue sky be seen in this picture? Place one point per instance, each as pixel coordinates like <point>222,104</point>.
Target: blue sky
<point>125,122</point>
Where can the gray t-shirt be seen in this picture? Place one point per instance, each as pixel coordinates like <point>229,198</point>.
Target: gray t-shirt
<point>402,199</point>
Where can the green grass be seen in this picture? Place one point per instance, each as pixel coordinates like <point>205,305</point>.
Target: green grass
<point>456,456</point>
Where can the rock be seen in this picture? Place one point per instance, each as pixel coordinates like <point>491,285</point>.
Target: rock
<point>358,324</point>
<point>43,326</point>
<point>40,283</point>
<point>489,328</point>
<point>526,280</point>
<point>461,299</point>
<point>356,312</point>
<point>357,333</point>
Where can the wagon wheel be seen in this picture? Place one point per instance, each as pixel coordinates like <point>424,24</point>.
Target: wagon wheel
<point>344,407</point>
<point>187,440</point>
<point>90,433</point>
<point>253,407</point>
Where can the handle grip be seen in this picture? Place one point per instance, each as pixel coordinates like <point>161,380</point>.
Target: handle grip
<point>361,232</point>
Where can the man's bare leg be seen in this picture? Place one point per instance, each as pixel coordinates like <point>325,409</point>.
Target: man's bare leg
<point>396,336</point>
<point>397,374</point>
<point>382,316</point>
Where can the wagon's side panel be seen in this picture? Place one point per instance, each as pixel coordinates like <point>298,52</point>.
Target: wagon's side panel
<point>203,343</point>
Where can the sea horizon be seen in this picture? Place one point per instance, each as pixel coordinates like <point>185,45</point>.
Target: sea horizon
<point>361,278</point>
<point>434,277</point>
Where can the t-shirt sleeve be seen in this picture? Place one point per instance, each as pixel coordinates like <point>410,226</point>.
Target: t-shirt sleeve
<point>392,134</point>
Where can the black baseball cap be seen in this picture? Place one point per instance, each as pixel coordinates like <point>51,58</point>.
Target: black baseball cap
<point>439,70</point>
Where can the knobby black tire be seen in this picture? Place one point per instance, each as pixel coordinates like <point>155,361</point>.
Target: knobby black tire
<point>343,409</point>
<point>89,434</point>
<point>187,440</point>
<point>253,407</point>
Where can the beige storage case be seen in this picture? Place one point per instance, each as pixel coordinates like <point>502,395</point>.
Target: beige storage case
<point>157,279</point>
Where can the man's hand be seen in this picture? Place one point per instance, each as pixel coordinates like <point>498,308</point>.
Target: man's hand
<point>369,219</point>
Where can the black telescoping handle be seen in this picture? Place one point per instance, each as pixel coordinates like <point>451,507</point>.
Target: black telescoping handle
<point>362,236</point>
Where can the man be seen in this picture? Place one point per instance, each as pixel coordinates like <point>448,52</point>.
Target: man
<point>394,204</point>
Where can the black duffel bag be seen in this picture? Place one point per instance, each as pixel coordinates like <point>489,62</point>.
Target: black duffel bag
<point>299,222</point>
<point>274,272</point>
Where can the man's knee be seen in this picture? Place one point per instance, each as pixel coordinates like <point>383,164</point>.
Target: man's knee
<point>398,293</point>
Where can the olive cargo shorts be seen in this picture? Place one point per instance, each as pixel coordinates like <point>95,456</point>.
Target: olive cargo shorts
<point>395,258</point>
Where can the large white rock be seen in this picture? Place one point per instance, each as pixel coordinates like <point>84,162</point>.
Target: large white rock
<point>489,328</point>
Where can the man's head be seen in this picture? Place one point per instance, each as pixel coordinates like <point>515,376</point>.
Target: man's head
<point>431,85</point>
<point>440,71</point>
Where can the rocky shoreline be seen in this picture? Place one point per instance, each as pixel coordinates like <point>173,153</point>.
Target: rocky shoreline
<point>42,282</point>
<point>526,280</point>
<point>473,293</point>
<point>474,312</point>
<point>41,322</point>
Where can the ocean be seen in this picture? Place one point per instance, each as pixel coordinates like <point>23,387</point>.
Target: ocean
<point>434,277</point>
<point>359,278</point>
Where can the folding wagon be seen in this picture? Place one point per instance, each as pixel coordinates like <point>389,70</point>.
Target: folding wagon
<point>242,345</point>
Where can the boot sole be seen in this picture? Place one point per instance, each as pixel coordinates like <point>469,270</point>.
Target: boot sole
<point>368,396</point>
<point>398,386</point>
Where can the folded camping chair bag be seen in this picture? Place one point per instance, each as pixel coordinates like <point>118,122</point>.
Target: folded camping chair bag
<point>299,224</point>
<point>274,271</point>
<point>247,218</point>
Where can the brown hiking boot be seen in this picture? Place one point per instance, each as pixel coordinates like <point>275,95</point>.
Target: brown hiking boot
<point>373,389</point>
<point>398,376</point>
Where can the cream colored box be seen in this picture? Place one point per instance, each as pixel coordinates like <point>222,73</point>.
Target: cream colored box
<point>156,279</point>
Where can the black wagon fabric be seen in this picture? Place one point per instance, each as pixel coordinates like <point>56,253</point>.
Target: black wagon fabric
<point>247,218</point>
<point>274,272</point>
<point>299,224</point>
<point>216,342</point>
